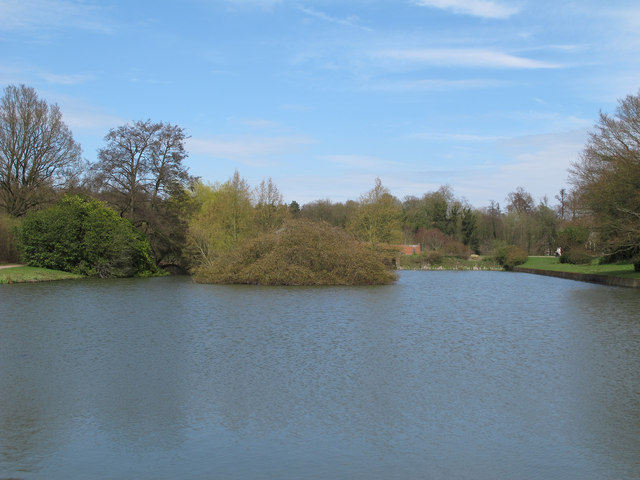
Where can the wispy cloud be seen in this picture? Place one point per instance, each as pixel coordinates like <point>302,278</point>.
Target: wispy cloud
<point>461,57</point>
<point>366,162</point>
<point>477,8</point>
<point>66,79</point>
<point>351,21</point>
<point>247,149</point>
<point>255,123</point>
<point>454,137</point>
<point>435,85</point>
<point>30,15</point>
<point>264,5</point>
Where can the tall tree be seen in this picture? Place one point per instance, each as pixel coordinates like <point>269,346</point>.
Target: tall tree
<point>224,218</point>
<point>378,217</point>
<point>270,210</point>
<point>37,150</point>
<point>607,178</point>
<point>141,161</point>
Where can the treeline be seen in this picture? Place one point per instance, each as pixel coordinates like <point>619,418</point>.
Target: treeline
<point>187,224</point>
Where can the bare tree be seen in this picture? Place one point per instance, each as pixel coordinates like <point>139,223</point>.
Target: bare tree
<point>37,150</point>
<point>141,160</point>
<point>520,202</point>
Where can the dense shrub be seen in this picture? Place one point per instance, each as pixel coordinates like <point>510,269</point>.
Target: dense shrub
<point>302,252</point>
<point>84,236</point>
<point>509,256</point>
<point>8,243</point>
<point>576,256</point>
<point>434,240</point>
<point>636,263</point>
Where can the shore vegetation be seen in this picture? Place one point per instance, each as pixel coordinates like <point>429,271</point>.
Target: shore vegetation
<point>24,274</point>
<point>623,269</point>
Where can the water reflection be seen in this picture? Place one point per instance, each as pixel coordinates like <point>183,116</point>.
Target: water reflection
<point>446,374</point>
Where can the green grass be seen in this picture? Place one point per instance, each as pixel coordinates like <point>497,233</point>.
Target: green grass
<point>552,263</point>
<point>33,274</point>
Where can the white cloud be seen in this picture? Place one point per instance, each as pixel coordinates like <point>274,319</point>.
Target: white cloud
<point>352,21</point>
<point>538,163</point>
<point>477,8</point>
<point>247,149</point>
<point>455,137</point>
<point>30,15</point>
<point>80,115</point>
<point>433,84</point>
<point>265,5</point>
<point>360,161</point>
<point>460,57</point>
<point>68,79</point>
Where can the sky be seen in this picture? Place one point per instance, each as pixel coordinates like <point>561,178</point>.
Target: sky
<point>325,96</point>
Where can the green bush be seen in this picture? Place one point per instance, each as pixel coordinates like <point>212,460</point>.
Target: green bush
<point>302,252</point>
<point>576,256</point>
<point>84,236</point>
<point>8,244</point>
<point>509,256</point>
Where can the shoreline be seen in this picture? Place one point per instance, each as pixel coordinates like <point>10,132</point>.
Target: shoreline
<point>584,277</point>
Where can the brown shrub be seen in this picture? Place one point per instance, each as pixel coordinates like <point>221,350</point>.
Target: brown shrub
<point>302,252</point>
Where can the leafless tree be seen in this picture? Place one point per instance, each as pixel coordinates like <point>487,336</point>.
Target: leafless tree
<point>141,161</point>
<point>37,150</point>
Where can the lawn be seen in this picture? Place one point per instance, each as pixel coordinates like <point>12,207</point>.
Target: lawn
<point>552,263</point>
<point>33,274</point>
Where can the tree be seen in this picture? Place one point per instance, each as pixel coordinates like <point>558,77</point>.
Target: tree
<point>337,214</point>
<point>141,161</point>
<point>562,208</point>
<point>469,227</point>
<point>607,178</point>
<point>294,208</point>
<point>378,217</point>
<point>224,218</point>
<point>270,210</point>
<point>520,202</point>
<point>37,150</point>
<point>82,235</point>
<point>519,221</point>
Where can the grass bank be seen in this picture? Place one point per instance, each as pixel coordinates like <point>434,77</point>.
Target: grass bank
<point>33,274</point>
<point>620,275</point>
<point>553,264</point>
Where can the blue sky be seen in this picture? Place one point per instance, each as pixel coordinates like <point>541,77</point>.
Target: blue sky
<point>326,95</point>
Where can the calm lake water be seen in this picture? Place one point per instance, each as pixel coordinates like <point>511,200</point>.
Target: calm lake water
<point>444,375</point>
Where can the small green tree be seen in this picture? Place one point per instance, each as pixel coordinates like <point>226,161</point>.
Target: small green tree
<point>84,236</point>
<point>378,218</point>
<point>225,217</point>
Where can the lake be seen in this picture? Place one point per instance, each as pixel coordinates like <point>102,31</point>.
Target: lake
<point>444,375</point>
